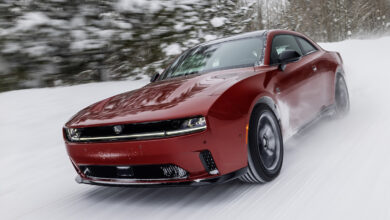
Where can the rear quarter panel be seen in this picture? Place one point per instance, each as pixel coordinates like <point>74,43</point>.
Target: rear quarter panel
<point>332,64</point>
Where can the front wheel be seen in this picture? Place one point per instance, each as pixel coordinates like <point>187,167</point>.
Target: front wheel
<point>265,147</point>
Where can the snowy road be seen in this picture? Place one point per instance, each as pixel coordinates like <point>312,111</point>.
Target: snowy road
<point>336,170</point>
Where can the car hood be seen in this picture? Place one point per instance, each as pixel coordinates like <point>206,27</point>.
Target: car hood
<point>168,99</point>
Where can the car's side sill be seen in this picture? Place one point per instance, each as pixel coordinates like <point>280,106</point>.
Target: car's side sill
<point>327,111</point>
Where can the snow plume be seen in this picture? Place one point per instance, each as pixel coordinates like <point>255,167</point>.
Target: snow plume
<point>284,111</point>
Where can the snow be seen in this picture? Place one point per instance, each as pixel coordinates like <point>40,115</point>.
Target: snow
<point>337,169</point>
<point>3,67</point>
<point>123,25</point>
<point>78,34</point>
<point>172,49</point>
<point>139,5</point>
<point>86,44</point>
<point>218,21</point>
<point>181,27</point>
<point>105,34</point>
<point>38,50</point>
<point>210,37</point>
<point>10,48</point>
<point>31,20</point>
<point>77,22</point>
<point>153,5</point>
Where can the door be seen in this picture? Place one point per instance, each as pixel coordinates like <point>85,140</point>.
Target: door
<point>321,80</point>
<point>293,87</point>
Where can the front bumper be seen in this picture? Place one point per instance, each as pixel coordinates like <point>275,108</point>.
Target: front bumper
<point>161,183</point>
<point>206,157</point>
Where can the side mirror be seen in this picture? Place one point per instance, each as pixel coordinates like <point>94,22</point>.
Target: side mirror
<point>154,77</point>
<point>287,56</point>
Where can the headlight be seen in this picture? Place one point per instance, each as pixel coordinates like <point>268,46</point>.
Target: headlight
<point>194,123</point>
<point>190,125</point>
<point>73,134</point>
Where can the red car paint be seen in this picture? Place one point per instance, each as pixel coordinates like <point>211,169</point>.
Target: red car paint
<point>226,98</point>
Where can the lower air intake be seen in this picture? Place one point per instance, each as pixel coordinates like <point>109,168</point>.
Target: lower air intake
<point>137,172</point>
<point>208,162</point>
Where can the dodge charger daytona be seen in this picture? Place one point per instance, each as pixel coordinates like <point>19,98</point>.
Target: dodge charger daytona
<point>220,111</point>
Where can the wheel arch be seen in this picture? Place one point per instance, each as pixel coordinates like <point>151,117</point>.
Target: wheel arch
<point>338,71</point>
<point>266,99</point>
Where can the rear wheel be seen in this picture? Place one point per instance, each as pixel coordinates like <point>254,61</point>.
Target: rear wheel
<point>265,146</point>
<point>341,97</point>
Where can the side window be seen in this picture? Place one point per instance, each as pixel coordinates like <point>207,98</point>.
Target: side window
<point>307,47</point>
<point>281,43</point>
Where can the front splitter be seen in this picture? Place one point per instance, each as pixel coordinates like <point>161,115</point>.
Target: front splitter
<point>197,182</point>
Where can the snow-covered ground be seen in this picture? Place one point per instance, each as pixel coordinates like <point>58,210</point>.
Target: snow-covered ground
<point>336,170</point>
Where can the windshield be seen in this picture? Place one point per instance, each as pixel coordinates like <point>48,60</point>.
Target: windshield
<point>226,55</point>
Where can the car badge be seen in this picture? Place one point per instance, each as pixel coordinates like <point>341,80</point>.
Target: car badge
<point>118,129</point>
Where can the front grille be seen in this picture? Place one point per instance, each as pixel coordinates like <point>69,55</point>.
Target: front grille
<point>131,128</point>
<point>208,162</point>
<point>136,131</point>
<point>136,172</point>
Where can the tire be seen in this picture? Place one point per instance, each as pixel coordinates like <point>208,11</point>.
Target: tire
<point>265,146</point>
<point>342,103</point>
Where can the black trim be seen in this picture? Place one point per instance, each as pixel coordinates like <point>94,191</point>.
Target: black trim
<point>266,100</point>
<point>201,182</point>
<point>207,160</point>
<point>272,42</point>
<point>107,133</point>
<point>299,45</point>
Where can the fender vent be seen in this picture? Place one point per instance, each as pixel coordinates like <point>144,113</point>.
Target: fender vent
<point>208,162</point>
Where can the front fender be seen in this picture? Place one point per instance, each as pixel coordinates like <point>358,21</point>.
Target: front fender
<point>229,116</point>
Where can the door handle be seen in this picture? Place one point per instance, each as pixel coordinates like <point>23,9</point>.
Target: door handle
<point>314,68</point>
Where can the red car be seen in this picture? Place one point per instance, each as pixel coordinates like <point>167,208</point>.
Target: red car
<point>220,111</point>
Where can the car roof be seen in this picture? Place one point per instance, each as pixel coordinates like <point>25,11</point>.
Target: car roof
<point>258,33</point>
<point>235,37</point>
